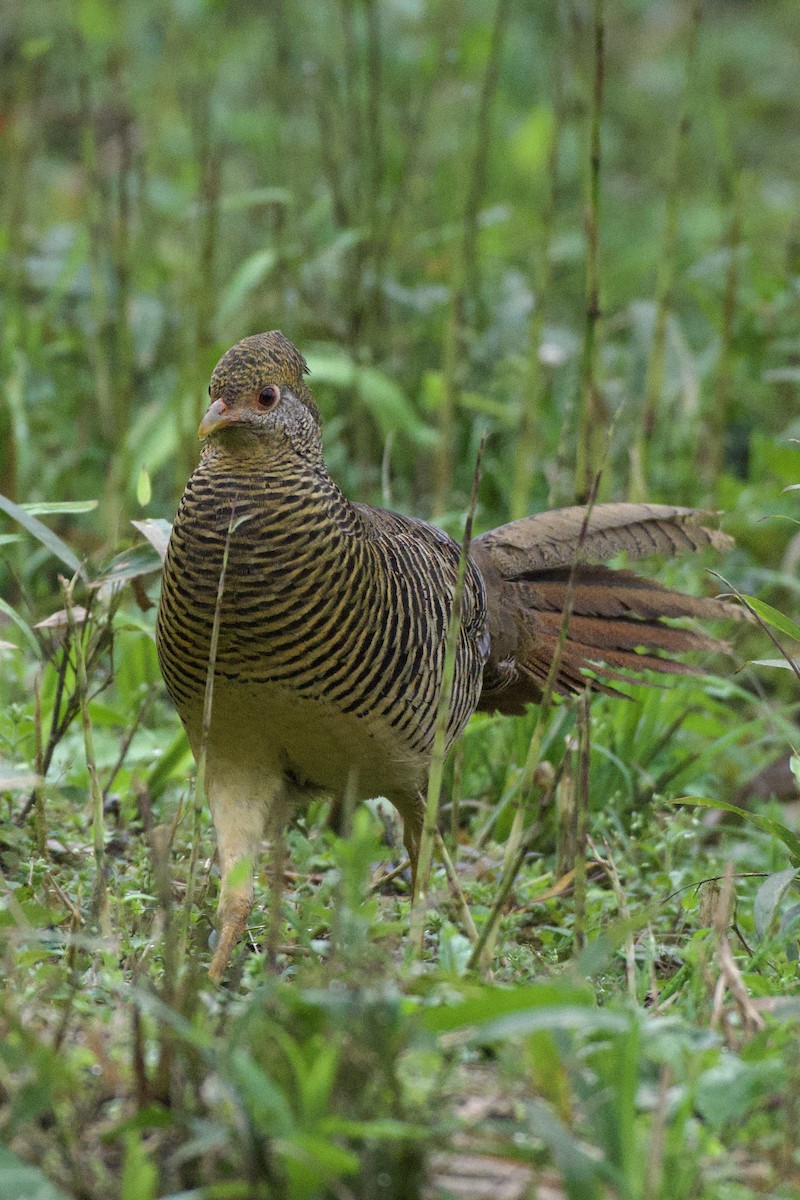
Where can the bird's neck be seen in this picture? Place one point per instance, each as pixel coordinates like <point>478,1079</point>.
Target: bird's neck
<point>242,454</point>
<point>276,492</point>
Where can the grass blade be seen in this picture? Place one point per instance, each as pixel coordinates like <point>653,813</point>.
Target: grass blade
<point>44,535</point>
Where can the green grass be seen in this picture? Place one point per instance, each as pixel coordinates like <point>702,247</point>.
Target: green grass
<point>628,1068</point>
<point>403,190</point>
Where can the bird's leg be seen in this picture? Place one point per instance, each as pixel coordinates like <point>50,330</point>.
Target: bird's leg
<point>412,810</point>
<point>239,822</point>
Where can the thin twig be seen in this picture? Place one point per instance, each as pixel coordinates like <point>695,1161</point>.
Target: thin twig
<point>730,977</point>
<point>397,871</point>
<point>100,895</point>
<point>440,737</point>
<point>200,781</point>
<point>527,778</point>
<point>130,734</point>
<point>581,823</point>
<point>792,662</point>
<point>465,276</point>
<point>528,447</point>
<point>590,418</point>
<point>654,378</point>
<point>458,892</point>
<point>481,951</point>
<point>38,791</point>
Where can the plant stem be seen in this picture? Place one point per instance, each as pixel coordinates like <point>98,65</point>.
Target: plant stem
<point>465,279</point>
<point>527,781</point>
<point>440,741</point>
<point>590,421</point>
<point>711,464</point>
<point>39,809</point>
<point>528,441</point>
<point>581,821</point>
<point>483,948</point>
<point>199,796</point>
<point>654,378</point>
<point>100,909</point>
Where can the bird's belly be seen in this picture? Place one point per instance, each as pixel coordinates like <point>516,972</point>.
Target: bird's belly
<point>270,729</point>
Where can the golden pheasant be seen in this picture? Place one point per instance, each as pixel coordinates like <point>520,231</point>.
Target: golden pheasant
<point>332,618</point>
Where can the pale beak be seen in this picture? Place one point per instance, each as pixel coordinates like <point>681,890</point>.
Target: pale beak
<point>217,417</point>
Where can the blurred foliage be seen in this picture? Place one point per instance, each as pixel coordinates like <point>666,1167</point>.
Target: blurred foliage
<point>402,188</point>
<point>180,175</point>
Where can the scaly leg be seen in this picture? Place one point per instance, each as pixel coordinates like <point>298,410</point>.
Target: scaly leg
<point>412,810</point>
<point>240,823</point>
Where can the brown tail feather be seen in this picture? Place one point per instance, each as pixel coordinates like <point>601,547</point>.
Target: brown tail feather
<point>616,624</point>
<point>549,540</point>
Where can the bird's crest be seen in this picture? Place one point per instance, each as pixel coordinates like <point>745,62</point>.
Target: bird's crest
<point>260,359</point>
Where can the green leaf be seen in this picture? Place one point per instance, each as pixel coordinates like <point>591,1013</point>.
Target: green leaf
<point>157,532</point>
<point>386,1129</point>
<point>23,626</point>
<point>46,536</point>
<point>139,1173</point>
<point>34,48</point>
<point>771,616</point>
<point>131,564</point>
<point>32,913</point>
<point>582,1171</point>
<point>316,1157</point>
<point>389,407</point>
<point>493,1004</point>
<point>769,897</point>
<point>766,824</point>
<point>144,488</point>
<point>174,762</point>
<point>267,1106</point>
<point>250,274</point>
<point>60,506</point>
<point>20,1181</point>
<point>151,440</point>
<point>531,142</point>
<point>384,399</point>
<point>728,1090</point>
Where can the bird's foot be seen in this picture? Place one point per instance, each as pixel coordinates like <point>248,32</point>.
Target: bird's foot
<point>232,924</point>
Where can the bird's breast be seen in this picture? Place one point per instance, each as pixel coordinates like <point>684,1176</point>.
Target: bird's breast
<point>310,606</point>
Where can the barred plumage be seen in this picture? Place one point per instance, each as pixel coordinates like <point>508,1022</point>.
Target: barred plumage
<point>318,597</point>
<point>333,617</point>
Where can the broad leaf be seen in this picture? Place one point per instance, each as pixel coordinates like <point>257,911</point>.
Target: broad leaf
<point>789,839</point>
<point>20,1181</point>
<point>157,532</point>
<point>769,897</point>
<point>773,617</point>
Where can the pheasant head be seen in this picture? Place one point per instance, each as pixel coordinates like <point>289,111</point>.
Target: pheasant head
<point>258,392</point>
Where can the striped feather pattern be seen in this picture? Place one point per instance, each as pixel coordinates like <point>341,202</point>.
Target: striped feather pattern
<point>342,604</point>
<point>616,617</point>
<point>333,617</point>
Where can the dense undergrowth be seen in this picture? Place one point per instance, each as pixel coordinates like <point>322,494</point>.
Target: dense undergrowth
<point>409,192</point>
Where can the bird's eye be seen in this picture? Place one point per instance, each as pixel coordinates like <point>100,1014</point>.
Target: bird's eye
<point>270,396</point>
<point>209,389</point>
